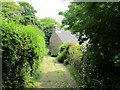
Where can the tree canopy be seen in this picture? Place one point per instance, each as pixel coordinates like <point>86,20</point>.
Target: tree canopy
<point>24,13</point>
<point>28,13</point>
<point>99,23</point>
<point>11,11</point>
<point>46,25</point>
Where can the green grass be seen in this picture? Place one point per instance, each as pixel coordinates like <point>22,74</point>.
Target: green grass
<point>74,73</point>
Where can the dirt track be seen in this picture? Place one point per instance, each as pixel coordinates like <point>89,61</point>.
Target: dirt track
<point>55,75</point>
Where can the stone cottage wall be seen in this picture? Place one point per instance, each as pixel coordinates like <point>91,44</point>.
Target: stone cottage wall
<point>55,42</point>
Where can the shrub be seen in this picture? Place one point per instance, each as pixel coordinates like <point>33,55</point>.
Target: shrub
<point>75,55</point>
<point>23,48</point>
<point>94,74</point>
<point>66,62</point>
<point>47,51</point>
<point>90,73</point>
<point>63,52</point>
<point>61,57</point>
<point>54,54</point>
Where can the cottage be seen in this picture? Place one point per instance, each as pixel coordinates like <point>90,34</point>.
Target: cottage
<point>59,37</point>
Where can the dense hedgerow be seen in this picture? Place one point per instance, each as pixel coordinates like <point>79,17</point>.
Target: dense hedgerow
<point>23,48</point>
<point>90,73</point>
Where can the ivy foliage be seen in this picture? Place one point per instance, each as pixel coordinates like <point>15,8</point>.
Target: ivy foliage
<point>23,48</point>
<point>98,23</point>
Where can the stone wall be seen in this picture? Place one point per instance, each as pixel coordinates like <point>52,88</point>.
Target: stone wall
<point>55,42</point>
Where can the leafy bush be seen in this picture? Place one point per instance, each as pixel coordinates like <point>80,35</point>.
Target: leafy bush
<point>23,48</point>
<point>90,73</point>
<point>54,54</point>
<point>75,55</point>
<point>61,57</point>
<point>63,52</point>
<point>66,62</point>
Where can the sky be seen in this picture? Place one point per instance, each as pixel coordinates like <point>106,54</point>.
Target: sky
<point>49,8</point>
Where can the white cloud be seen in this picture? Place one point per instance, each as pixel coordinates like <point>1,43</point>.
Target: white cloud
<point>49,8</point>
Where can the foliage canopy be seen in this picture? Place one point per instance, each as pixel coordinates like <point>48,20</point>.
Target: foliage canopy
<point>46,24</point>
<point>98,22</point>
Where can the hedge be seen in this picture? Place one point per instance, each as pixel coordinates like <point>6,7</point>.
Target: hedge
<point>23,48</point>
<point>91,73</point>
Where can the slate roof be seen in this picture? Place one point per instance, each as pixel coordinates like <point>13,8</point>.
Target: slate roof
<point>66,36</point>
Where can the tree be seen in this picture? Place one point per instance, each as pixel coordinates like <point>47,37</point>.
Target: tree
<point>99,22</point>
<point>28,14</point>
<point>46,25</point>
<point>11,11</point>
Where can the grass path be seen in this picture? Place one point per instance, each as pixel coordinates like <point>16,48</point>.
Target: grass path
<point>55,75</point>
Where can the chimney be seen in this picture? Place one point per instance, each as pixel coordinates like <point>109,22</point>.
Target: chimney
<point>56,28</point>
